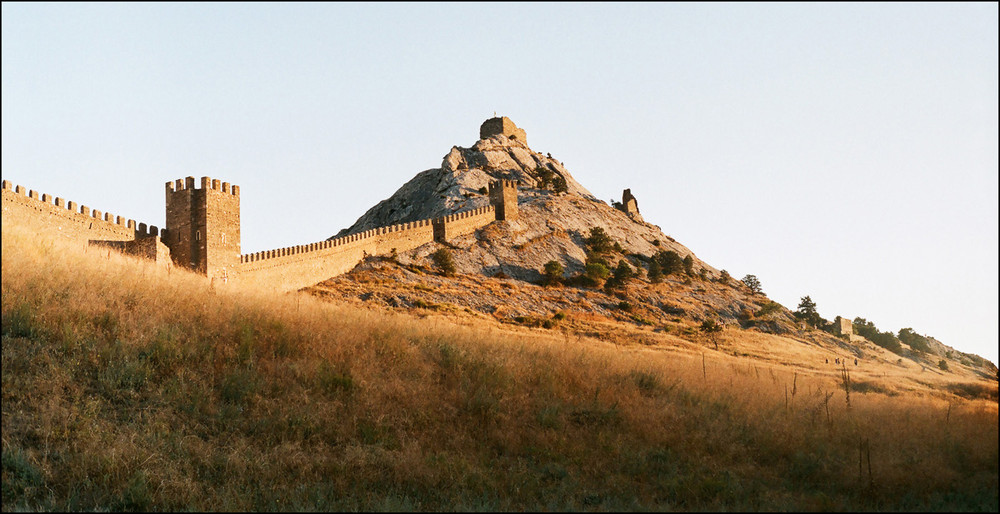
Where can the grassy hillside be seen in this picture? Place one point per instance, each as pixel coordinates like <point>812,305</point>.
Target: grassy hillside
<point>125,387</point>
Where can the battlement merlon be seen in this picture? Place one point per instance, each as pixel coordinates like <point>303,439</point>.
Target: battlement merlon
<point>207,183</point>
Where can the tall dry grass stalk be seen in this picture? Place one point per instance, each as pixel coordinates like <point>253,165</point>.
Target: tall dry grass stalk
<point>128,389</point>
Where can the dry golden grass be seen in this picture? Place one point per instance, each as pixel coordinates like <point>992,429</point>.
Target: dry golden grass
<point>127,389</point>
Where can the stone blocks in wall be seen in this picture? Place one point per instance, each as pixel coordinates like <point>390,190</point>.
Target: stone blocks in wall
<point>843,326</point>
<point>503,126</point>
<point>64,219</point>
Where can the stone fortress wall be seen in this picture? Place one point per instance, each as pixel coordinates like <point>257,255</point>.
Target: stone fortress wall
<point>203,229</point>
<point>302,265</point>
<point>199,218</point>
<point>67,219</point>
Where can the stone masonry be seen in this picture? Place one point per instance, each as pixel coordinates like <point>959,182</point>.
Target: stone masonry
<point>203,233</point>
<point>843,326</point>
<point>630,205</point>
<point>204,225</point>
<point>503,126</point>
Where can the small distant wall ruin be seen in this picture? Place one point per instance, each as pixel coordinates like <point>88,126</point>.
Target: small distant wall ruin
<point>630,205</point>
<point>843,327</point>
<point>150,248</point>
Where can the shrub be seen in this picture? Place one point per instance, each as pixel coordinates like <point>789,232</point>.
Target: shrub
<point>655,273</point>
<point>914,340</point>
<point>710,328</point>
<point>444,262</point>
<point>670,262</point>
<point>724,277</point>
<point>886,340</point>
<point>688,265</point>
<point>548,179</point>
<point>943,364</point>
<point>552,274</point>
<point>769,308</point>
<point>599,241</point>
<point>622,273</point>
<point>594,274</point>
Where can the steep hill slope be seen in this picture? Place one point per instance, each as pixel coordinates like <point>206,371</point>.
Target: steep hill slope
<point>556,212</point>
<point>127,387</point>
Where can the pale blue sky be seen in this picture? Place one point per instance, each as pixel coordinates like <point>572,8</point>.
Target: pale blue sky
<point>846,152</point>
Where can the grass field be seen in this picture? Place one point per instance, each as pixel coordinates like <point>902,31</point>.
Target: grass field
<point>128,388</point>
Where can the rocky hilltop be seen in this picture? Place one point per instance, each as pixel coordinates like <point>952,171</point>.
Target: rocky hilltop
<point>498,268</point>
<point>556,211</point>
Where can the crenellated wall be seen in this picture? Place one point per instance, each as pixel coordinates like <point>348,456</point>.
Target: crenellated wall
<point>67,219</point>
<point>204,233</point>
<point>299,266</point>
<point>461,223</point>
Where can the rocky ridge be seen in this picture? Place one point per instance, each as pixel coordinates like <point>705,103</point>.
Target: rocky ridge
<point>499,267</point>
<point>556,212</point>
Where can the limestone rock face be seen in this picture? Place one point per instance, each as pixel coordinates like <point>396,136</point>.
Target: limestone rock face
<point>553,221</point>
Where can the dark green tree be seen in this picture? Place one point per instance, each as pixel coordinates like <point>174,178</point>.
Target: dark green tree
<point>621,274</point>
<point>869,331</point>
<point>446,265</point>
<point>655,273</point>
<point>752,283</point>
<point>553,273</point>
<point>916,341</point>
<point>689,265</point>
<point>670,262</point>
<point>595,273</point>
<point>807,312</point>
<point>599,241</point>
<point>711,328</point>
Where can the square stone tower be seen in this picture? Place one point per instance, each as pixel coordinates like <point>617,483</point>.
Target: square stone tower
<point>504,126</point>
<point>503,196</point>
<point>843,326</point>
<point>203,225</point>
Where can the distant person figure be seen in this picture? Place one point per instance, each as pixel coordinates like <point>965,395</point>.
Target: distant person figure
<point>855,361</point>
<point>827,361</point>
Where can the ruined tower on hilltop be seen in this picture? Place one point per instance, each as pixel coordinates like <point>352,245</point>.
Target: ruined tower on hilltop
<point>630,205</point>
<point>502,126</point>
<point>203,225</point>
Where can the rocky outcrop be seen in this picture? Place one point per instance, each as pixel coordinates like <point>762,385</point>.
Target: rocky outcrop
<point>556,212</point>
